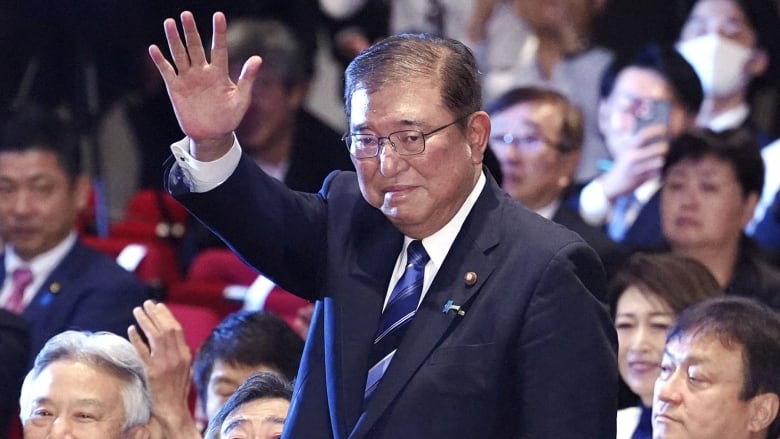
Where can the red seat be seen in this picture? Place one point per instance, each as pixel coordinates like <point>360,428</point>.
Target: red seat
<point>197,322</point>
<point>155,264</point>
<point>221,265</point>
<point>152,215</point>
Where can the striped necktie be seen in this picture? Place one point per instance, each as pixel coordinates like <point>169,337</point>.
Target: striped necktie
<point>399,311</point>
<point>622,217</point>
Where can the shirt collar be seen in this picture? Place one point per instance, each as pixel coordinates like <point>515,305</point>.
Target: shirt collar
<point>438,245</point>
<point>43,264</point>
<point>729,119</point>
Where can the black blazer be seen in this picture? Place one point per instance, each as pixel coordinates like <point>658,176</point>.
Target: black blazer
<point>533,356</point>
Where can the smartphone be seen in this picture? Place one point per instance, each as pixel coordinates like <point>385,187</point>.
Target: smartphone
<point>652,112</point>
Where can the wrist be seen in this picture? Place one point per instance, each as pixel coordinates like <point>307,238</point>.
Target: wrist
<point>208,150</point>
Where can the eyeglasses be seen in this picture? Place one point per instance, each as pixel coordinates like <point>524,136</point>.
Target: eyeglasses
<point>405,142</point>
<point>528,142</point>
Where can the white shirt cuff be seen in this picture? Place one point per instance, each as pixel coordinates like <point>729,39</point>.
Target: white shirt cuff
<point>205,176</point>
<point>594,205</point>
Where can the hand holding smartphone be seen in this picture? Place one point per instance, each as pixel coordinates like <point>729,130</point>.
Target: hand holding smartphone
<point>652,112</point>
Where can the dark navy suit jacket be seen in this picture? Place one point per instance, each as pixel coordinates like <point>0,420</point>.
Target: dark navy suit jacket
<point>86,291</point>
<point>533,356</point>
<point>644,233</point>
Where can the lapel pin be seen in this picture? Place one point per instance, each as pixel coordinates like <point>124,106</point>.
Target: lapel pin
<point>55,287</point>
<point>470,278</point>
<point>449,306</point>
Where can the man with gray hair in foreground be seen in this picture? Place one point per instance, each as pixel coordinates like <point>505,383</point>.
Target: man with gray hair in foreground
<point>86,385</point>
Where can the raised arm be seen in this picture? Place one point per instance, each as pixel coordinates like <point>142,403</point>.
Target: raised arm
<point>167,358</point>
<point>208,105</point>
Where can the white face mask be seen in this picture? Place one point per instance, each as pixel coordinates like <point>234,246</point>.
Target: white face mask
<point>719,62</point>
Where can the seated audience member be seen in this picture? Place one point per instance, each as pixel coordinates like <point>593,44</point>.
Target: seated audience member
<point>711,183</point>
<point>257,409</point>
<point>536,137</point>
<point>645,296</point>
<point>86,385</point>
<point>558,53</point>
<point>47,275</point>
<point>15,350</point>
<point>645,101</point>
<point>242,344</point>
<point>731,45</point>
<point>285,140</point>
<point>719,375</point>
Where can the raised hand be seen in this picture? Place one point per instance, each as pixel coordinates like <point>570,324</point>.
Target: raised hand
<point>167,358</point>
<point>641,159</point>
<point>208,105</point>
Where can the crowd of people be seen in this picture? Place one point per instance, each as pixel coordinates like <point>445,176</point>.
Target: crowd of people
<point>526,229</point>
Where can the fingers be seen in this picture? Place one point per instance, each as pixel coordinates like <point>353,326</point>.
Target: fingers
<point>138,344</point>
<point>194,44</point>
<point>219,56</point>
<point>175,45</point>
<point>160,326</point>
<point>247,77</point>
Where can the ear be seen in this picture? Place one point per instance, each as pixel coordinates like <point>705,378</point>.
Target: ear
<point>763,411</point>
<point>82,190</point>
<point>751,201</point>
<point>758,63</point>
<point>569,161</point>
<point>478,131</point>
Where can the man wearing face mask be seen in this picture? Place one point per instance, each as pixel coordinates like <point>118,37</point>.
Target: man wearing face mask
<point>730,43</point>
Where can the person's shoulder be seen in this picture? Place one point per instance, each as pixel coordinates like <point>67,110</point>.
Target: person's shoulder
<point>99,265</point>
<point>534,230</point>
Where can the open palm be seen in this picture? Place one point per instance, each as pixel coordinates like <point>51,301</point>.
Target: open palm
<point>208,105</point>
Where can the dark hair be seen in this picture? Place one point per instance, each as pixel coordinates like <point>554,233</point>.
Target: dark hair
<point>278,45</point>
<point>736,147</point>
<point>262,385</point>
<point>762,15</point>
<point>670,65</point>
<point>248,338</point>
<point>39,128</point>
<point>740,323</point>
<point>679,280</point>
<point>572,129</point>
<point>401,58</point>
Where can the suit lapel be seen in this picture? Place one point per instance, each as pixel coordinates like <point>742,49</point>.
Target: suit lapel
<point>55,284</point>
<point>466,260</point>
<point>354,321</point>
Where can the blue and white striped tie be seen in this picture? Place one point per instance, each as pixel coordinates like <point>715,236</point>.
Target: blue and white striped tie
<point>399,311</point>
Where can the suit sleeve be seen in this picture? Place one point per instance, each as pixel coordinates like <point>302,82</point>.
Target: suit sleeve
<point>567,352</point>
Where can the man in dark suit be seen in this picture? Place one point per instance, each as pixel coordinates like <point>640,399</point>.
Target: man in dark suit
<point>646,101</point>
<point>537,137</point>
<point>506,336</point>
<point>42,191</point>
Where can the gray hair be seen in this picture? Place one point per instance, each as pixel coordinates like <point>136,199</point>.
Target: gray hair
<point>280,48</point>
<point>106,351</point>
<point>404,57</point>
